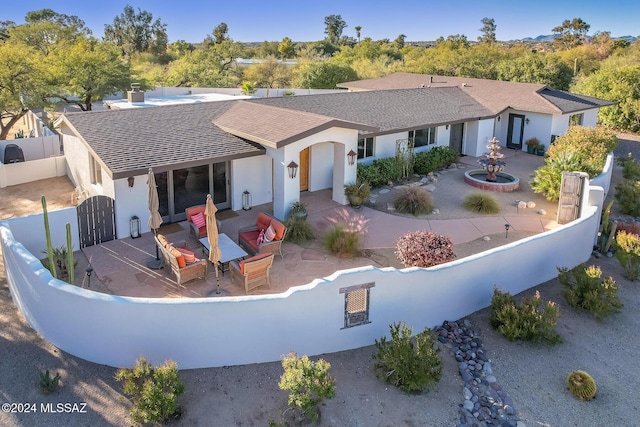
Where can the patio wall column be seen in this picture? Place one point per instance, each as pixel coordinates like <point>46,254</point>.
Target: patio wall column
<point>285,190</point>
<point>343,173</point>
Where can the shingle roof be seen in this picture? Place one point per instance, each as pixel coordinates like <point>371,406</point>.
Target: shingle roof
<point>495,95</point>
<point>128,142</point>
<point>388,110</point>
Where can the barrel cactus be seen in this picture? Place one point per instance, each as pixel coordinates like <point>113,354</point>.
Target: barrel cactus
<point>581,385</point>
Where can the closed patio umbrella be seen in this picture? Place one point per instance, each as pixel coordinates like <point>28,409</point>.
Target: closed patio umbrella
<point>212,235</point>
<point>155,220</point>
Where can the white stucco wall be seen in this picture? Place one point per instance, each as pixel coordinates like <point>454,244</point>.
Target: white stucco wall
<point>34,170</point>
<point>29,230</point>
<point>253,174</point>
<point>79,171</point>
<point>131,201</point>
<point>33,148</point>
<point>321,166</point>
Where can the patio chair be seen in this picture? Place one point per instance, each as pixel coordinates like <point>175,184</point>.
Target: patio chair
<point>199,228</point>
<point>252,272</point>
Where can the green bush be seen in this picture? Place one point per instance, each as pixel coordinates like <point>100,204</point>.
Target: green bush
<point>527,321</point>
<point>154,390</point>
<point>298,230</point>
<point>630,167</point>
<point>369,173</point>
<point>48,384</point>
<point>628,197</point>
<point>380,172</point>
<point>628,253</point>
<point>308,383</point>
<point>412,364</point>
<point>413,200</point>
<point>581,149</point>
<point>585,288</point>
<point>481,203</point>
<point>437,158</point>
<point>342,242</point>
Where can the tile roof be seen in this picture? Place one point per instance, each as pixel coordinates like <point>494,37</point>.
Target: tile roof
<point>129,142</point>
<point>495,95</point>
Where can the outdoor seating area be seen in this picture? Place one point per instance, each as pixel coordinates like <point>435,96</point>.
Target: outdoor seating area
<point>120,265</point>
<point>182,260</point>
<point>265,236</point>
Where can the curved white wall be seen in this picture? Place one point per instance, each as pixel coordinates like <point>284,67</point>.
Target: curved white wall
<point>207,332</point>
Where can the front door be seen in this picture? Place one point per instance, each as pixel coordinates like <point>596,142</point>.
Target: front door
<point>304,169</point>
<point>183,188</point>
<point>455,137</point>
<point>515,131</point>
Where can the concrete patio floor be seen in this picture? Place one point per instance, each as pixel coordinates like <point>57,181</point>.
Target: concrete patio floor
<point>120,266</point>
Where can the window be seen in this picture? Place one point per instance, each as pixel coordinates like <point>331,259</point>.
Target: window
<point>365,147</point>
<point>422,137</point>
<point>95,171</point>
<point>576,119</point>
<point>356,304</point>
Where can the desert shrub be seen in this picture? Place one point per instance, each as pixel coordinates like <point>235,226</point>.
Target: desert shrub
<point>424,249</point>
<point>342,242</point>
<point>628,227</point>
<point>628,253</point>
<point>630,167</point>
<point>298,230</point>
<point>369,173</point>
<point>308,383</point>
<point>585,288</point>
<point>582,149</point>
<point>437,158</point>
<point>411,363</point>
<point>48,384</point>
<point>481,203</point>
<point>628,197</point>
<point>154,390</point>
<point>414,200</point>
<point>527,321</point>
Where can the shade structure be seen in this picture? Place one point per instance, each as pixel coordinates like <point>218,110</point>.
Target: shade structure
<point>212,232</point>
<point>155,220</point>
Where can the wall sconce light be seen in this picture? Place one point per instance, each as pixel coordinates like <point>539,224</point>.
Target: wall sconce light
<point>499,118</point>
<point>134,227</point>
<point>506,230</point>
<point>446,127</point>
<point>526,120</point>
<point>293,169</point>
<point>246,200</point>
<point>351,156</point>
<point>130,181</point>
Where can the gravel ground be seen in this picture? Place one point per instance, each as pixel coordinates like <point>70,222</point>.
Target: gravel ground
<point>532,375</point>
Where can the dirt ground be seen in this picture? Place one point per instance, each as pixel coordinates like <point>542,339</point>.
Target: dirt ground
<point>249,396</point>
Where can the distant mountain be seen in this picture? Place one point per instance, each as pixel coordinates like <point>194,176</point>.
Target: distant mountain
<point>551,37</point>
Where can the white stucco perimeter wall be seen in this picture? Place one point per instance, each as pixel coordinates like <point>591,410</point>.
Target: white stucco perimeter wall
<point>308,319</point>
<point>34,170</point>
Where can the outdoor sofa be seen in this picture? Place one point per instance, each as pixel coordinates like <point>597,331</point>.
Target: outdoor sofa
<point>266,235</point>
<point>183,262</point>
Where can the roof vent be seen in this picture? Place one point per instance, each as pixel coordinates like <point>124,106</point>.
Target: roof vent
<point>430,79</point>
<point>464,85</point>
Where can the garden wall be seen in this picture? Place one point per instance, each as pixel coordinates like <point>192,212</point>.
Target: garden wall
<point>309,319</point>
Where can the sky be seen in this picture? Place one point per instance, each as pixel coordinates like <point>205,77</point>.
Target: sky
<point>303,20</point>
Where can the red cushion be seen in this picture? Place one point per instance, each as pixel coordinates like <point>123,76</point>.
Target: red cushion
<point>279,229</point>
<point>176,253</point>
<point>253,258</point>
<point>194,210</point>
<point>250,238</point>
<point>188,255</point>
<point>263,221</point>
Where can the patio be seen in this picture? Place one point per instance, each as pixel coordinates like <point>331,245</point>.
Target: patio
<point>120,266</point>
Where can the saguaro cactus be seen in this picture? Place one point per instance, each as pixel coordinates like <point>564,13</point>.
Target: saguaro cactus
<point>70,264</point>
<point>52,265</point>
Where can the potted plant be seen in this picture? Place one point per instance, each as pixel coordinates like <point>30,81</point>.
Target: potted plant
<point>540,150</point>
<point>357,193</point>
<point>299,210</point>
<point>532,145</point>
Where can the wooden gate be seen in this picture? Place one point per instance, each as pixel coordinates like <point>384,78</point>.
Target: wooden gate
<point>96,221</point>
<point>570,196</point>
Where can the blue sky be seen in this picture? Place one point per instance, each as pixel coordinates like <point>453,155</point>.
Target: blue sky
<point>250,20</point>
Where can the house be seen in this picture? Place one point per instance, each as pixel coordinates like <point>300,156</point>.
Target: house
<point>274,148</point>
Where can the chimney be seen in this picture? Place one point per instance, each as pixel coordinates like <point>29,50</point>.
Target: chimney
<point>135,94</point>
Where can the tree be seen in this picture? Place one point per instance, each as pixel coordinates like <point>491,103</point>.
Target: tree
<point>137,32</point>
<point>358,28</point>
<point>219,35</point>
<point>47,15</point>
<point>399,41</point>
<point>24,83</point>
<point>571,33</point>
<point>270,74</point>
<point>536,68</point>
<point>488,31</point>
<point>207,67</point>
<point>287,48</point>
<point>324,75</point>
<point>88,70</point>
<point>334,25</point>
<point>4,29</point>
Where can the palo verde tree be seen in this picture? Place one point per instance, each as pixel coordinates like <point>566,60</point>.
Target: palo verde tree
<point>287,48</point>
<point>571,33</point>
<point>137,32</point>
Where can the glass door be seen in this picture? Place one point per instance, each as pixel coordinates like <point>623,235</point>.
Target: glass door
<point>515,131</point>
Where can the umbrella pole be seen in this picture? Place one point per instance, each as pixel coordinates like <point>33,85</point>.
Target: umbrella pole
<point>217,281</point>
<point>155,264</point>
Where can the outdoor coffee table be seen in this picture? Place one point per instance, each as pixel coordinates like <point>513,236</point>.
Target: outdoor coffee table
<point>229,251</point>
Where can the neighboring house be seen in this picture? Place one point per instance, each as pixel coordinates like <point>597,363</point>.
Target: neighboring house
<point>276,147</point>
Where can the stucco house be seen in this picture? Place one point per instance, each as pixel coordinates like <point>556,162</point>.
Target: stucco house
<point>274,148</point>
